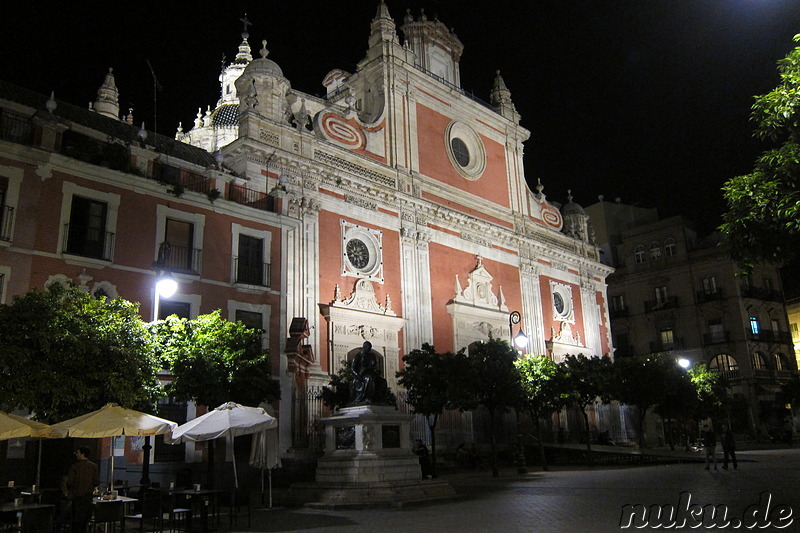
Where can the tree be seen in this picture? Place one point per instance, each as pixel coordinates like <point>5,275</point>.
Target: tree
<point>763,218</point>
<point>543,392</point>
<point>64,353</point>
<point>428,377</point>
<point>587,380</point>
<point>712,392</point>
<point>644,382</point>
<point>214,361</point>
<point>489,379</point>
<point>680,399</point>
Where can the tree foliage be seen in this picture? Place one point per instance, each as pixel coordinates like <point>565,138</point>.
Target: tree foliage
<point>428,378</point>
<point>763,218</point>
<point>587,381</point>
<point>543,390</point>
<point>214,361</point>
<point>712,391</point>
<point>64,353</point>
<point>489,379</point>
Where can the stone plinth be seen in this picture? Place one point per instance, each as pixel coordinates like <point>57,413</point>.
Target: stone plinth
<point>368,461</point>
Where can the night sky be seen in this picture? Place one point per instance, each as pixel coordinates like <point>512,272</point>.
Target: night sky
<point>646,100</point>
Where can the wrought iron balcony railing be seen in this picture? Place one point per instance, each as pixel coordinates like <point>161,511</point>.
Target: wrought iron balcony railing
<point>88,242</point>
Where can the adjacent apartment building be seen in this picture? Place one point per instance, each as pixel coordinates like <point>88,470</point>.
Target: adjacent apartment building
<point>677,292</point>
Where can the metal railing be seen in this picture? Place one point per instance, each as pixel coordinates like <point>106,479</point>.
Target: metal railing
<point>179,259</point>
<point>703,296</point>
<point>660,346</point>
<point>716,338</point>
<point>6,222</point>
<point>251,274</point>
<point>88,242</point>
<point>655,305</point>
<point>15,128</point>
<point>249,197</point>
<point>762,293</point>
<point>775,337</point>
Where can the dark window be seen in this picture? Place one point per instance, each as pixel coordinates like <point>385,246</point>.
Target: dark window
<point>250,263</point>
<point>251,319</point>
<point>177,252</point>
<point>710,285</point>
<point>170,453</point>
<point>86,233</point>
<point>660,294</point>
<point>638,255</point>
<point>168,308</point>
<point>460,151</point>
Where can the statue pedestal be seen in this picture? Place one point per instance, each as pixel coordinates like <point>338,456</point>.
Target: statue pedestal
<point>368,461</point>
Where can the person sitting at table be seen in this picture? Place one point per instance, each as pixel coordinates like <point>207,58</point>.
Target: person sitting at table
<point>81,481</point>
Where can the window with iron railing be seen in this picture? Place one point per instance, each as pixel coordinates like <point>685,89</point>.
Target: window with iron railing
<point>86,234</point>
<point>725,365</point>
<point>6,222</point>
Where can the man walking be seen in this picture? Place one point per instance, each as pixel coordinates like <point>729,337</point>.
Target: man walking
<point>728,447</point>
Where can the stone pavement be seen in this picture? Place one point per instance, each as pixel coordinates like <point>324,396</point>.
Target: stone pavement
<point>567,499</point>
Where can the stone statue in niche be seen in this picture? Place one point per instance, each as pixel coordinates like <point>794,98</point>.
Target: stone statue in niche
<point>368,386</point>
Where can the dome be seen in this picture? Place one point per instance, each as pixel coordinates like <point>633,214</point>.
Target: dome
<point>225,115</point>
<point>263,66</point>
<point>571,208</point>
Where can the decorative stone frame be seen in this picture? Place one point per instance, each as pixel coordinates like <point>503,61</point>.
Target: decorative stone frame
<point>477,152</point>
<point>361,318</point>
<point>564,293</point>
<point>373,240</point>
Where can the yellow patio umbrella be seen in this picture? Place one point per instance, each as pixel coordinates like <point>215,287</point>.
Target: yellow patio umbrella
<point>18,427</point>
<point>112,420</point>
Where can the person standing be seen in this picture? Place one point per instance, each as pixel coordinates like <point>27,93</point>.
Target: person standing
<point>421,451</point>
<point>81,481</point>
<point>728,447</point>
<point>710,445</point>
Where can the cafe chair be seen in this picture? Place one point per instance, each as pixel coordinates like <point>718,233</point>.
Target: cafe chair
<point>178,516</point>
<point>149,512</point>
<point>107,513</point>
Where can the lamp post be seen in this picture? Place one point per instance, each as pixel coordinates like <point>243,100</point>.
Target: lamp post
<point>165,287</point>
<point>520,340</point>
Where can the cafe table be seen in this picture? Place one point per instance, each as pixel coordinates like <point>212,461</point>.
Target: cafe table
<point>106,511</point>
<point>201,501</point>
<point>30,516</point>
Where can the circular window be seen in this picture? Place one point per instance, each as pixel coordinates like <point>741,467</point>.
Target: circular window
<point>465,150</point>
<point>357,253</point>
<point>460,151</point>
<point>558,303</point>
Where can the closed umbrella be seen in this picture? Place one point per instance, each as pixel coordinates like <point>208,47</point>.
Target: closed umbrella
<point>18,427</point>
<point>229,419</point>
<point>112,420</point>
<point>264,455</point>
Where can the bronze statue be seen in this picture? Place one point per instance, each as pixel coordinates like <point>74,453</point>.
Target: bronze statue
<point>368,386</point>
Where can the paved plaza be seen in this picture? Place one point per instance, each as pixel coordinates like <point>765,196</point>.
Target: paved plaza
<point>570,499</point>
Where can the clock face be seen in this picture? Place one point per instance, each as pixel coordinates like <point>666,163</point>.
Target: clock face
<point>357,253</point>
<point>558,303</point>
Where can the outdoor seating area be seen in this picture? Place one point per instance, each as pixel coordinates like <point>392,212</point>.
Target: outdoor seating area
<point>140,506</point>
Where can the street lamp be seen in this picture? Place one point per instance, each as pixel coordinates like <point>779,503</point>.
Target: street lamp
<point>684,363</point>
<point>520,340</point>
<point>166,286</point>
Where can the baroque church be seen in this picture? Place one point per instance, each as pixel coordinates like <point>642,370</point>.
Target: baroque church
<point>394,210</point>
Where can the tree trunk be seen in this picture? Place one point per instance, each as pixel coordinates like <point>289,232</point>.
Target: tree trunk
<point>588,435</point>
<point>542,455</point>
<point>495,472</point>
<point>433,443</point>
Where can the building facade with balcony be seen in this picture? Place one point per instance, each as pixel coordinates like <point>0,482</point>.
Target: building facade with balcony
<point>676,292</point>
<point>393,210</point>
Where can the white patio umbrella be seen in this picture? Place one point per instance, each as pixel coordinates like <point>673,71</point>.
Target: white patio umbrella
<point>229,419</point>
<point>18,427</point>
<point>264,455</point>
<point>111,420</point>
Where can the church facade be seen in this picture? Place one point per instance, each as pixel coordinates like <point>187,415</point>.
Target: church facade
<point>394,210</point>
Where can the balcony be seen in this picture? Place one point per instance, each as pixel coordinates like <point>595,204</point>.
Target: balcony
<point>771,337</point>
<point>248,273</point>
<point>15,128</point>
<point>179,259</point>
<point>716,338</point>
<point>655,305</point>
<point>660,346</point>
<point>618,313</point>
<point>249,197</point>
<point>88,242</point>
<point>703,296</point>
<point>6,222</point>
<point>729,374</point>
<point>760,293</point>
